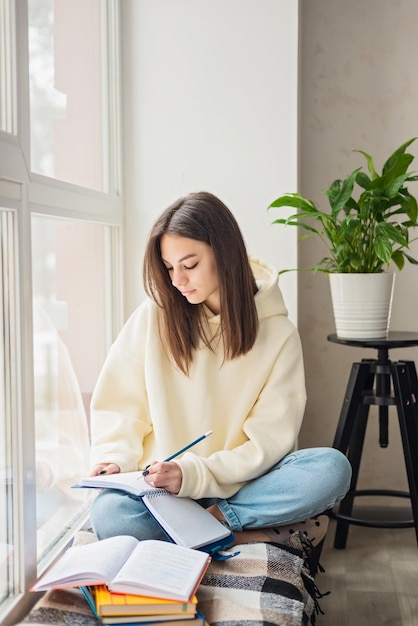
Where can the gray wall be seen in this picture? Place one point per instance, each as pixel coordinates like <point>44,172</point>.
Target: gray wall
<point>359,90</point>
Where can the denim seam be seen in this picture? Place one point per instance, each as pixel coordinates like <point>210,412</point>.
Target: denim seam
<point>231,519</point>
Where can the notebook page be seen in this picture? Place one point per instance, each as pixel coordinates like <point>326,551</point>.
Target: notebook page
<point>131,482</point>
<point>187,523</point>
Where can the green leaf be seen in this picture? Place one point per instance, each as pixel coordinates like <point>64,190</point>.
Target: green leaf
<point>393,158</point>
<point>351,205</point>
<point>399,167</point>
<point>391,232</point>
<point>370,164</point>
<point>296,223</point>
<point>339,200</point>
<point>355,263</point>
<point>333,190</point>
<point>319,267</point>
<point>383,249</point>
<point>409,203</point>
<point>294,200</point>
<point>399,259</point>
<point>302,215</point>
<point>410,258</point>
<point>363,180</point>
<point>393,188</point>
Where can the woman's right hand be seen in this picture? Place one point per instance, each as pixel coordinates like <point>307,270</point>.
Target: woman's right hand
<point>105,468</point>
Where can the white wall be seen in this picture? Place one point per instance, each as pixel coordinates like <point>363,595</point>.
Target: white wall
<point>210,103</point>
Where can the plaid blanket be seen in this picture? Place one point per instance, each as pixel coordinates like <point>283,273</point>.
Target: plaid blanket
<point>267,584</point>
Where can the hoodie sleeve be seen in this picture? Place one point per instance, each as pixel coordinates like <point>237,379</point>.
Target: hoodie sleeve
<point>120,418</point>
<point>269,431</point>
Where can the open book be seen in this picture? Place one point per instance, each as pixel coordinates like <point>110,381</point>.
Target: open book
<point>157,569</point>
<point>182,519</point>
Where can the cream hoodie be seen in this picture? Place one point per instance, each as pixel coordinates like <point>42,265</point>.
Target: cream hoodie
<point>144,408</point>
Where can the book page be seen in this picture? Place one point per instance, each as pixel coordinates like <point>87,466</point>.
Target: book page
<point>131,482</point>
<point>89,564</point>
<point>161,568</point>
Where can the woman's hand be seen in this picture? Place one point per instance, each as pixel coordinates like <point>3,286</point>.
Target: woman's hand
<point>165,475</point>
<point>105,468</point>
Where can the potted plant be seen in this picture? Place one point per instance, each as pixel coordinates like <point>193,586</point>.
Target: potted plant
<point>365,228</point>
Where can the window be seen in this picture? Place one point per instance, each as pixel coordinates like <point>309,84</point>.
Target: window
<point>8,543</point>
<point>67,50</point>
<point>7,66</point>
<point>70,315</point>
<point>60,271</point>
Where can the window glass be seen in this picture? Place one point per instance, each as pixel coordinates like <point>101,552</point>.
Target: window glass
<point>70,318</point>
<point>8,417</point>
<point>66,56</point>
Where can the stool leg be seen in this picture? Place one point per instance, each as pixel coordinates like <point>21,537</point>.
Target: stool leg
<point>349,438</point>
<point>360,380</point>
<point>406,391</point>
<point>383,389</point>
<point>354,456</point>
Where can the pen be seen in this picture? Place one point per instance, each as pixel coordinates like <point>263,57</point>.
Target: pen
<point>173,456</point>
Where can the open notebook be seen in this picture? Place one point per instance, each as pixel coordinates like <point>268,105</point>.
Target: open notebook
<point>183,520</point>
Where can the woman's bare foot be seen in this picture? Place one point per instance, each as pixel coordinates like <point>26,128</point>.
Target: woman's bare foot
<point>247,536</point>
<point>241,536</point>
<point>214,510</point>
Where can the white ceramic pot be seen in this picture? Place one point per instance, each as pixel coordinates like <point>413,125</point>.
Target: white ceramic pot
<point>362,304</point>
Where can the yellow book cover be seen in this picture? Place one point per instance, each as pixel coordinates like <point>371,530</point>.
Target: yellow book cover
<point>110,603</point>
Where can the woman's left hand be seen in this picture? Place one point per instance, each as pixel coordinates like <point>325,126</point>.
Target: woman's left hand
<point>165,475</point>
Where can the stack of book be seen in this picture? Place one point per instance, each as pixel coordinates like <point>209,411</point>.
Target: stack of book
<point>130,609</point>
<point>127,581</point>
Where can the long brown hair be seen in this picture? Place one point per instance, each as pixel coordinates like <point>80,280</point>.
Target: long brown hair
<point>203,217</point>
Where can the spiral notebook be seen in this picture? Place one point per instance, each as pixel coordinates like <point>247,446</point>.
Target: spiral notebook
<point>183,520</point>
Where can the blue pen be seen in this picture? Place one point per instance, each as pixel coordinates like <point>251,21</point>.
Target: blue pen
<point>173,456</point>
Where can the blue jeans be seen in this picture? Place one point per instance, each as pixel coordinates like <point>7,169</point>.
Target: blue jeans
<point>303,484</point>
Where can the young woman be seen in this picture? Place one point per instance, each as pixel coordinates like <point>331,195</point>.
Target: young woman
<point>210,349</point>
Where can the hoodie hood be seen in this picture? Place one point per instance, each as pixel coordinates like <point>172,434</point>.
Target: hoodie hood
<point>269,300</point>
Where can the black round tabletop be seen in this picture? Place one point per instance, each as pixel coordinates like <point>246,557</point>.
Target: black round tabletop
<point>394,339</point>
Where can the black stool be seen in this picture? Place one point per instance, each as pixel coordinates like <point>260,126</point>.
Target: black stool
<point>383,383</point>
